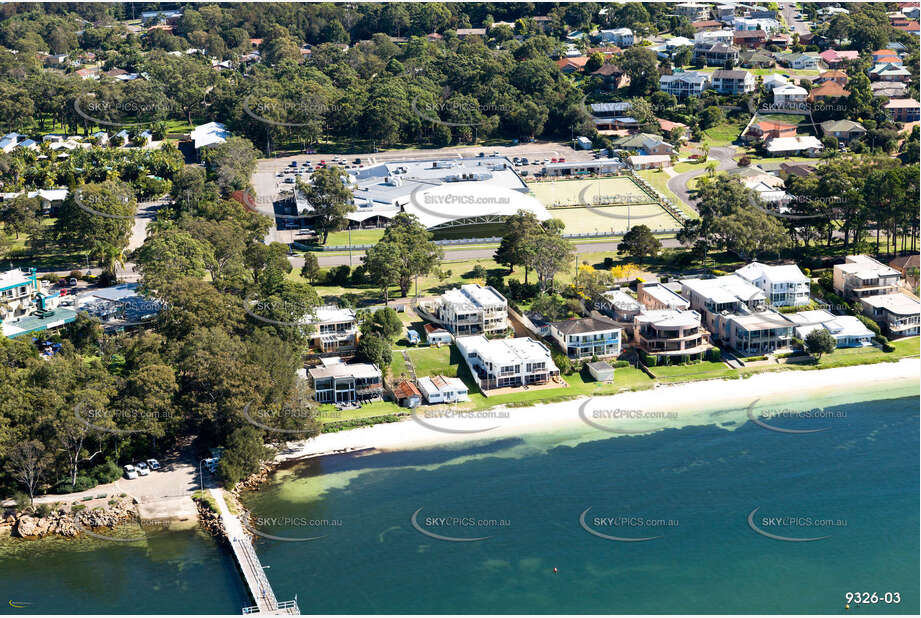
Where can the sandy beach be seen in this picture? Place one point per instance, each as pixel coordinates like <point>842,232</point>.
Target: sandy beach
<point>727,402</point>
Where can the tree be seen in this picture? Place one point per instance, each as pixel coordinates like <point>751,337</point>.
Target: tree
<point>170,254</point>
<point>384,322</point>
<point>642,66</point>
<point>330,198</point>
<point>549,252</point>
<point>820,342</point>
<point>515,246</point>
<point>639,242</point>
<point>374,349</point>
<point>406,251</point>
<point>20,214</point>
<point>243,455</point>
<point>28,462</point>
<point>98,218</point>
<point>750,232</point>
<point>311,268</point>
<point>233,162</point>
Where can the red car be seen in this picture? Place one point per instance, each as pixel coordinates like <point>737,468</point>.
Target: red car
<point>553,160</point>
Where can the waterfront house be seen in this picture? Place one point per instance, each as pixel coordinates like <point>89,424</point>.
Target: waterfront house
<point>442,389</point>
<point>847,331</point>
<point>587,337</point>
<point>335,330</point>
<point>338,382</point>
<point>670,332</point>
<point>435,335</point>
<point>474,309</point>
<point>861,276</point>
<point>502,363</point>
<point>785,285</point>
<point>736,314</point>
<point>898,314</point>
<point>406,394</point>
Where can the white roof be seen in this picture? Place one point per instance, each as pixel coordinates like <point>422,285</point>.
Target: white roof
<point>52,195</point>
<point>899,304</point>
<point>209,134</point>
<point>331,313</point>
<point>473,295</point>
<point>641,159</point>
<point>669,318</point>
<point>14,277</point>
<point>665,296</point>
<point>865,267</point>
<point>503,352</point>
<point>788,144</point>
<point>448,385</point>
<point>837,325</point>
<point>621,300</point>
<point>789,89</point>
<point>725,289</point>
<point>775,78</point>
<point>344,370</point>
<point>776,274</point>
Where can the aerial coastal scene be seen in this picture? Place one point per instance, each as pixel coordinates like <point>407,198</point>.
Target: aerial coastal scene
<point>460,308</point>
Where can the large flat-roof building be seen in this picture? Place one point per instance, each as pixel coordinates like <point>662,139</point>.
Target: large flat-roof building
<point>501,363</point>
<point>473,309</point>
<point>440,193</point>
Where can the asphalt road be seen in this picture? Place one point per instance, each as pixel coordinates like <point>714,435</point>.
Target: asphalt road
<point>460,254</point>
<point>789,11</point>
<point>678,184</point>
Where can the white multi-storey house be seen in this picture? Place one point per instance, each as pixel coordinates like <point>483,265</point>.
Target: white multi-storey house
<point>587,337</point>
<point>502,363</point>
<point>861,276</point>
<point>335,330</point>
<point>784,285</point>
<point>473,309</point>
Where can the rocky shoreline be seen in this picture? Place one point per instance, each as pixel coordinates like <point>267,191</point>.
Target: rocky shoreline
<point>63,520</point>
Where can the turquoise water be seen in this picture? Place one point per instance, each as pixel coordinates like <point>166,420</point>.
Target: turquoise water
<point>170,572</point>
<point>702,480</point>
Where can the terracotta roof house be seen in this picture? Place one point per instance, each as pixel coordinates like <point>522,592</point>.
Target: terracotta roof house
<point>834,58</point>
<point>905,264</point>
<point>904,110</point>
<point>828,90</point>
<point>571,65</point>
<point>839,77</point>
<point>668,125</point>
<point>406,394</point>
<point>749,39</point>
<point>707,24</point>
<point>769,129</point>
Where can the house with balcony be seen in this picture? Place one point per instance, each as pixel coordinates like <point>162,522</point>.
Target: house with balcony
<point>890,72</point>
<point>727,81</point>
<point>801,61</point>
<point>784,285</point>
<point>622,37</point>
<point>789,95</point>
<point>861,276</point>
<point>683,85</point>
<point>670,332</point>
<point>654,296</point>
<point>335,330</point>
<point>898,314</point>
<point>473,309</point>
<point>507,363</point>
<point>342,383</point>
<point>904,110</point>
<point>587,337</point>
<point>847,331</point>
<point>736,314</point>
<point>716,54</point>
<point>694,11</point>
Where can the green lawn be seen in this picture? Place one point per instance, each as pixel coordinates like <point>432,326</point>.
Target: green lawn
<point>704,370</point>
<point>724,134</point>
<point>359,237</point>
<point>848,357</point>
<point>658,179</point>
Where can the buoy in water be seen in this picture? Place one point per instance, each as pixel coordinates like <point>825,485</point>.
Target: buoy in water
<point>556,570</point>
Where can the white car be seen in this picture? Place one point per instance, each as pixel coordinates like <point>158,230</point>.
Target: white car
<point>153,464</point>
<point>142,468</point>
<point>130,472</point>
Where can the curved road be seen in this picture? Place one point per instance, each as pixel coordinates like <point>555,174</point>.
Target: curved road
<point>678,184</point>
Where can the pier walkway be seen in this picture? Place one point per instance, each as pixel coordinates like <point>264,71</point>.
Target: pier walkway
<point>253,573</point>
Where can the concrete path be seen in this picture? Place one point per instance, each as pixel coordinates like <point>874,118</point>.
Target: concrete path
<point>678,184</point>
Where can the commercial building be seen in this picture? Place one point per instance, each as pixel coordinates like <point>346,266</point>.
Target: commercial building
<point>473,309</point>
<point>587,337</point>
<point>501,363</point>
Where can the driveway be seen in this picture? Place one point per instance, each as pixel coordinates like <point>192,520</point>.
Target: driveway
<point>678,184</point>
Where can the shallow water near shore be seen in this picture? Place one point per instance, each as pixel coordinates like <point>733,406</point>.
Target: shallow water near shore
<point>694,484</point>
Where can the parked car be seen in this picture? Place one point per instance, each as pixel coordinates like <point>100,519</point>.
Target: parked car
<point>73,282</point>
<point>142,468</point>
<point>357,161</point>
<point>211,464</point>
<point>130,472</point>
<point>292,164</point>
<point>289,180</point>
<point>153,464</point>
